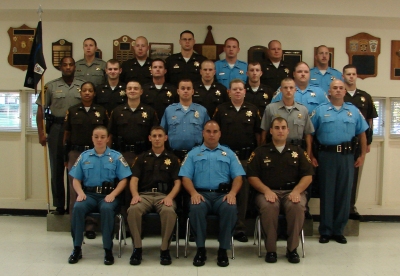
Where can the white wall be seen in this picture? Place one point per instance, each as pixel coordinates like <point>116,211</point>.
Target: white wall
<point>299,25</point>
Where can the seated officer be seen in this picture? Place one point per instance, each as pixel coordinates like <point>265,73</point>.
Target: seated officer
<point>94,174</point>
<point>154,185</point>
<point>280,172</point>
<point>206,173</point>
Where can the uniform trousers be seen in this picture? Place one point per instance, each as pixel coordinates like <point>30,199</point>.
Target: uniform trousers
<point>336,179</point>
<point>57,168</point>
<point>354,189</point>
<point>242,202</point>
<point>93,203</point>
<point>213,204</point>
<point>150,201</point>
<point>269,215</point>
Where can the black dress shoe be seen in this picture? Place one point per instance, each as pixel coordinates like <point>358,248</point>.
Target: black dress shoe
<point>271,257</point>
<point>222,259</point>
<point>324,239</point>
<point>165,257</point>
<point>201,257</point>
<point>76,255</point>
<point>90,235</point>
<point>293,257</point>
<point>241,237</point>
<point>136,258</point>
<point>59,211</point>
<point>108,257</point>
<point>340,239</point>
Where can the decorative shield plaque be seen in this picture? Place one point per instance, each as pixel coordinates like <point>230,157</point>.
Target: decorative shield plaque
<point>61,48</point>
<point>21,39</point>
<point>363,50</point>
<point>257,53</point>
<point>395,60</point>
<point>123,48</point>
<point>292,57</point>
<point>209,49</point>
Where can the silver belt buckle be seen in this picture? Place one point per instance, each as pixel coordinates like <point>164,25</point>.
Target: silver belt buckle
<point>339,148</point>
<point>99,189</point>
<point>154,190</point>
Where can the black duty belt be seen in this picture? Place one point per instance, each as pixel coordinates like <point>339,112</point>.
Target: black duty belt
<point>297,142</point>
<point>96,189</point>
<point>58,120</point>
<point>344,148</point>
<point>80,148</point>
<point>208,190</point>
<point>152,190</point>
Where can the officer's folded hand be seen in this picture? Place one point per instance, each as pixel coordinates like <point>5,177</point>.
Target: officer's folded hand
<point>135,199</point>
<point>294,197</point>
<point>167,201</point>
<point>109,198</point>
<point>81,197</point>
<point>270,196</point>
<point>230,198</point>
<point>197,198</point>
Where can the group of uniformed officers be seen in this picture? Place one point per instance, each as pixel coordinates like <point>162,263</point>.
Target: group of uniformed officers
<point>131,135</point>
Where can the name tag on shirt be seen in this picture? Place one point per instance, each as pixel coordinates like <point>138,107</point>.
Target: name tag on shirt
<point>222,73</point>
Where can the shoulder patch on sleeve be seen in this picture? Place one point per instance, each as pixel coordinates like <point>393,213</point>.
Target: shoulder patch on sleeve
<point>237,157</point>
<point>123,161</point>
<point>312,114</point>
<point>66,116</point>
<point>77,160</point>
<point>308,157</point>
<point>184,160</point>
<point>134,161</point>
<point>251,157</point>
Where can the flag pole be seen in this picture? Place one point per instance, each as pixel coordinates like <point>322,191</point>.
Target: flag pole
<point>46,165</point>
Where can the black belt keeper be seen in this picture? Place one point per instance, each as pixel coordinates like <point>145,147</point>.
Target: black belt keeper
<point>344,148</point>
<point>105,188</point>
<point>80,148</point>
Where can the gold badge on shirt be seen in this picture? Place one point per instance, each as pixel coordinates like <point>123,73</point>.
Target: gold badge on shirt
<point>98,69</point>
<point>349,114</point>
<point>333,78</point>
<point>241,72</point>
<point>217,93</point>
<point>97,114</point>
<point>295,154</point>
<point>122,93</point>
<point>312,94</point>
<point>223,153</point>
<point>167,161</point>
<point>299,116</point>
<point>265,96</point>
<point>196,114</point>
<point>249,113</point>
<point>110,159</point>
<point>362,99</point>
<point>176,66</point>
<point>144,115</point>
<point>196,63</point>
<point>286,71</point>
<point>169,94</point>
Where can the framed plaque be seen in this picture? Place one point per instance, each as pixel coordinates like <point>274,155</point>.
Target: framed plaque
<point>59,49</point>
<point>161,50</point>
<point>363,50</point>
<point>292,57</point>
<point>395,60</point>
<point>21,39</point>
<point>123,48</point>
<point>209,49</point>
<point>99,54</point>
<point>331,56</point>
<point>257,53</point>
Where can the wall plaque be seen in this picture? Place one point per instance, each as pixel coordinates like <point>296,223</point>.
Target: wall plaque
<point>395,60</point>
<point>21,39</point>
<point>363,50</point>
<point>292,57</point>
<point>123,48</point>
<point>61,48</point>
<point>209,49</point>
<point>257,53</point>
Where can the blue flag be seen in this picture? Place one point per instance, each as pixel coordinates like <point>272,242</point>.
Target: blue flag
<point>37,65</point>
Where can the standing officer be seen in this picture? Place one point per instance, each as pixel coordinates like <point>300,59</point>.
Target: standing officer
<point>79,123</point>
<point>274,68</point>
<point>154,185</point>
<point>308,95</point>
<point>112,92</point>
<point>212,175</point>
<point>60,94</point>
<point>322,75</point>
<point>363,101</point>
<point>337,126</point>
<point>231,68</point>
<point>186,64</point>
<point>90,68</point>
<point>280,172</point>
<point>257,93</point>
<point>130,124</point>
<point>296,115</point>
<point>184,121</point>
<point>159,94</point>
<point>240,128</point>
<point>100,175</point>
<point>138,68</point>
<point>208,92</point>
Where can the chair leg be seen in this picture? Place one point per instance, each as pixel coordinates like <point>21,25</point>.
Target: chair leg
<point>177,237</point>
<point>233,248</point>
<point>259,235</point>
<point>255,232</point>
<point>302,242</point>
<point>187,236</point>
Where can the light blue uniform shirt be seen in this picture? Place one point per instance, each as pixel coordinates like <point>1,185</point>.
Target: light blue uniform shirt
<point>208,168</point>
<point>93,169</point>
<point>333,127</point>
<point>184,127</point>
<point>323,81</point>
<point>311,97</point>
<point>224,73</point>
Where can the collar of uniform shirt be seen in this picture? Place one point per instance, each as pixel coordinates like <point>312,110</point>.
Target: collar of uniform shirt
<point>282,105</point>
<point>204,148</point>
<point>179,106</point>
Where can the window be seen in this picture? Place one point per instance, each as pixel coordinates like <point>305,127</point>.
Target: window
<point>32,110</point>
<point>379,122</point>
<point>10,119</point>
<point>395,118</point>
